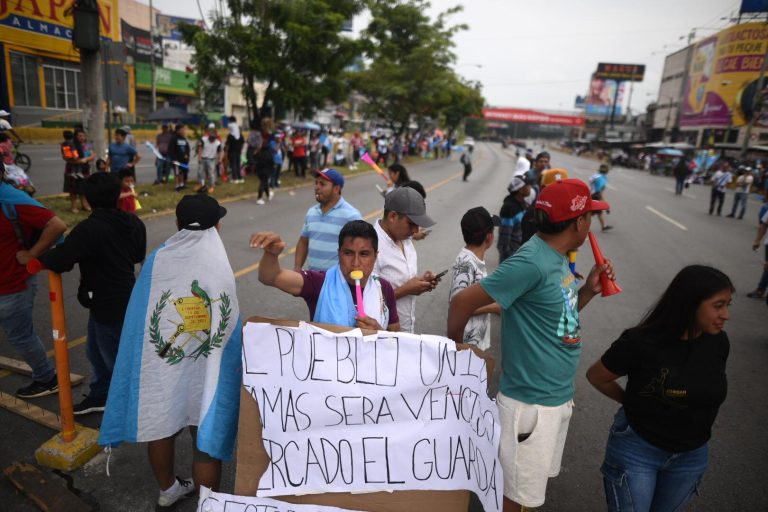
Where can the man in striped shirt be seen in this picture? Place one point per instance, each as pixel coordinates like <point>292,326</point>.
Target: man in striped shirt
<point>318,243</point>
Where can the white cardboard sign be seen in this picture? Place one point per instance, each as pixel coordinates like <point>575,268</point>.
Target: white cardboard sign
<point>390,411</point>
<point>211,501</point>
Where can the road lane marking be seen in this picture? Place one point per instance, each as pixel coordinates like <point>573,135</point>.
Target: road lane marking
<point>611,187</point>
<point>72,344</point>
<point>666,218</point>
<point>685,194</point>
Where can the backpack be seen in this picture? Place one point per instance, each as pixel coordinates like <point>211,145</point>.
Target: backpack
<point>9,210</point>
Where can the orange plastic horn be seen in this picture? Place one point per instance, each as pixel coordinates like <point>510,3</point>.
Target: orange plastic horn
<point>609,286</point>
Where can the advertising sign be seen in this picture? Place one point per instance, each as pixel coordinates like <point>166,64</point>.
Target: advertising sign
<point>45,26</point>
<point>138,42</point>
<point>753,6</point>
<point>722,79</point>
<point>629,72</point>
<point>167,26</point>
<point>166,80</point>
<point>601,94</point>
<point>521,115</point>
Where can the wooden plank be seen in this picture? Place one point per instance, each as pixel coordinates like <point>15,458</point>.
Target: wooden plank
<point>23,368</point>
<point>37,414</point>
<point>48,492</point>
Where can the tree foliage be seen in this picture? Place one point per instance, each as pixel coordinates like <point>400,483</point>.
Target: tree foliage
<point>295,47</point>
<point>409,76</point>
<point>464,99</point>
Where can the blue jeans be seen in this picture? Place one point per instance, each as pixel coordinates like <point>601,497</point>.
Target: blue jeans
<point>740,198</point>
<point>16,322</point>
<point>640,477</point>
<point>101,349</point>
<point>163,168</point>
<point>763,284</point>
<point>679,184</point>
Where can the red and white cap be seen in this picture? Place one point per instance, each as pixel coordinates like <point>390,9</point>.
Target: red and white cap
<point>566,199</point>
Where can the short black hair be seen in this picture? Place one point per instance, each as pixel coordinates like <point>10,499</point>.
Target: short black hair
<point>126,172</point>
<point>178,127</point>
<point>541,219</point>
<point>100,162</point>
<point>121,132</point>
<point>102,190</point>
<point>359,229</point>
<point>4,137</point>
<point>68,134</point>
<point>415,185</point>
<point>543,154</point>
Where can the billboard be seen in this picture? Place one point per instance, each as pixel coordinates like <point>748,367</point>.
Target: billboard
<point>47,26</point>
<point>520,115</point>
<point>601,94</point>
<point>138,42</point>
<point>753,6</point>
<point>629,72</point>
<point>167,26</point>
<point>722,78</point>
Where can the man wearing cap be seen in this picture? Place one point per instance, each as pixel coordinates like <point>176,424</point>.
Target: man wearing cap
<point>469,268</point>
<point>512,211</point>
<point>330,295</point>
<point>106,246</point>
<point>5,126</point>
<point>179,363</point>
<point>323,222</point>
<point>404,213</point>
<point>540,338</point>
<point>209,157</point>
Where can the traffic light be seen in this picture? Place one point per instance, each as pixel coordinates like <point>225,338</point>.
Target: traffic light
<point>85,35</point>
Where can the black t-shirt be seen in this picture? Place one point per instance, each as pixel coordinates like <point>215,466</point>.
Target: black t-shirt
<point>179,149</point>
<point>674,387</point>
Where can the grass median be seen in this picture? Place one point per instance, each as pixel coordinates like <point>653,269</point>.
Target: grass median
<point>161,199</point>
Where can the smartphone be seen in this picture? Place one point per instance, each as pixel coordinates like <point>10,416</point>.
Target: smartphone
<point>441,274</point>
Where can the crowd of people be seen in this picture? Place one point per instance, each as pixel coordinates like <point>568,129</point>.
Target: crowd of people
<point>674,358</point>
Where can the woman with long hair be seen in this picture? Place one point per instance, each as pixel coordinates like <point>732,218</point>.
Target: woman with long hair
<point>398,176</point>
<point>674,361</point>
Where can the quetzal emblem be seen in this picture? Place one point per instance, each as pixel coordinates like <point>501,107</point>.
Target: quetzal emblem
<point>196,314</point>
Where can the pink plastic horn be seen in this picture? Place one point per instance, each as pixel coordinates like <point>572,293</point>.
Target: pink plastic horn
<point>367,159</point>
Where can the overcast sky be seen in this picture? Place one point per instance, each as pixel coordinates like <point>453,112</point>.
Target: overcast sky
<point>541,53</point>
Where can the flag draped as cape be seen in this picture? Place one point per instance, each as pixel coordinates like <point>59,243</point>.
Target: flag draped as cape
<point>179,361</point>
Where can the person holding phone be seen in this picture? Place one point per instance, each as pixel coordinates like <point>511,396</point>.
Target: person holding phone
<point>674,361</point>
<point>469,268</point>
<point>404,213</point>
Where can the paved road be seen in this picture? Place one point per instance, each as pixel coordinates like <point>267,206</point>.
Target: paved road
<point>655,235</point>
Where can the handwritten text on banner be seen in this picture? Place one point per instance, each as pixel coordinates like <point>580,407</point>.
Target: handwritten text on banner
<point>211,501</point>
<point>391,411</point>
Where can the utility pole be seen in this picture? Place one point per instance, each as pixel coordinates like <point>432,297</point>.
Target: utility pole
<point>152,57</point>
<point>86,39</point>
<point>757,105</point>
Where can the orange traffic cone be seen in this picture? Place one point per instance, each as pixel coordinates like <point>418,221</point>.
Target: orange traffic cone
<point>609,286</point>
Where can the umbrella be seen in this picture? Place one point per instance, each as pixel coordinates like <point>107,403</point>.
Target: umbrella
<point>169,114</point>
<point>306,125</point>
<point>670,152</point>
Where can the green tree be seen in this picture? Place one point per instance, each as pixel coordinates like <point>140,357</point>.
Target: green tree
<point>410,58</point>
<point>464,99</point>
<point>295,47</point>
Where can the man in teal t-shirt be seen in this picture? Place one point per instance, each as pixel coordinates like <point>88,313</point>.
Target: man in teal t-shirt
<point>540,338</point>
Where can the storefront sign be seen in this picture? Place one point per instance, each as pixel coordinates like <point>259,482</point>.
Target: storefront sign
<point>43,25</point>
<point>166,80</point>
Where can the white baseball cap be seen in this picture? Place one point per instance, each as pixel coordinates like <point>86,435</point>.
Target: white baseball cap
<point>3,113</point>
<point>211,126</point>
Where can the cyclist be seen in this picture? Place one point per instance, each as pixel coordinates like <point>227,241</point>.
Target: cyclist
<point>5,126</point>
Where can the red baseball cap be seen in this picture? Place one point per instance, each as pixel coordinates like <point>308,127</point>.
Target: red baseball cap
<point>566,199</point>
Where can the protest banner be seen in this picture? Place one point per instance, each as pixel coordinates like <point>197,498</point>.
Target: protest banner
<point>346,411</point>
<point>211,501</point>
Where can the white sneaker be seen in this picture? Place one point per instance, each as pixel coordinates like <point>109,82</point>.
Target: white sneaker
<point>260,201</point>
<point>271,195</point>
<point>180,489</point>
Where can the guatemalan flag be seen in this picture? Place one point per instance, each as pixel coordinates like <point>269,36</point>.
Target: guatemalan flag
<point>179,360</point>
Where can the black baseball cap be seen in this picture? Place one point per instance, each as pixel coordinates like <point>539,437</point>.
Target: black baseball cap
<point>199,212</point>
<point>477,221</point>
